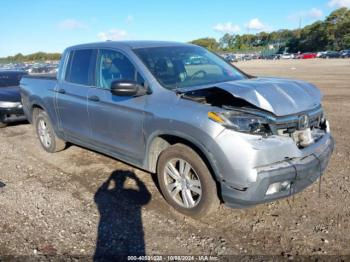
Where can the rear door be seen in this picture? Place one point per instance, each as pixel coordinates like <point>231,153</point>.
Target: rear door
<point>116,121</point>
<point>71,97</point>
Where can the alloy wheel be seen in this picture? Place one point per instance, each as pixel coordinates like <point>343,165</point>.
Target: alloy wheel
<point>44,133</point>
<point>182,183</point>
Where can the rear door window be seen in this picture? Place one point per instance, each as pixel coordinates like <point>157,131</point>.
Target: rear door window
<point>79,67</point>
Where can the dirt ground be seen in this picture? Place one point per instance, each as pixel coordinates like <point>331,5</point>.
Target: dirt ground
<point>71,203</point>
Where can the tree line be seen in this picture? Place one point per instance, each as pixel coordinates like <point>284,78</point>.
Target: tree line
<point>39,56</point>
<point>333,33</point>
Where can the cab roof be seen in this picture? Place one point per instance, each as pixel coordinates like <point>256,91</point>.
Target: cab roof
<point>128,44</point>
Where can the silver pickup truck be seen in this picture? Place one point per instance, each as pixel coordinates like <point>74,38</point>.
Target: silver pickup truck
<point>211,132</point>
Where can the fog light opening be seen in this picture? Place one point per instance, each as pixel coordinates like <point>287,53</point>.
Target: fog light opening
<point>278,187</point>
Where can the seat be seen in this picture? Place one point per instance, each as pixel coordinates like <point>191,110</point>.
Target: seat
<point>165,74</point>
<point>180,70</point>
<point>125,67</point>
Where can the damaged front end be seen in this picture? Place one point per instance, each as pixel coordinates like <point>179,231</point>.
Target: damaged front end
<point>267,152</point>
<point>235,113</point>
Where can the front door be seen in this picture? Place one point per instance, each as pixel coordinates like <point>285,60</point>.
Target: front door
<point>116,121</point>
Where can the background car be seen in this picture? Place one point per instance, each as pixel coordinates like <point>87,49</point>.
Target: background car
<point>330,54</point>
<point>246,57</point>
<point>306,55</point>
<point>231,58</point>
<point>271,57</point>
<point>345,53</point>
<point>286,56</point>
<point>10,98</point>
<point>320,53</point>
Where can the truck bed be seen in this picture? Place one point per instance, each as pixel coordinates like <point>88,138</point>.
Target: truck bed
<point>41,76</point>
<point>38,89</point>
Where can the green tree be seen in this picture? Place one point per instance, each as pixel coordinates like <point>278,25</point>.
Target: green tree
<point>227,42</point>
<point>209,43</point>
<point>39,56</point>
<point>338,28</point>
<point>333,33</point>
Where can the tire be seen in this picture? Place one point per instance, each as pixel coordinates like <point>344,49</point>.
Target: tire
<point>194,190</point>
<point>2,124</point>
<point>46,134</point>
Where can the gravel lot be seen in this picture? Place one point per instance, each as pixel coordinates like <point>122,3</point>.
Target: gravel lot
<point>72,203</point>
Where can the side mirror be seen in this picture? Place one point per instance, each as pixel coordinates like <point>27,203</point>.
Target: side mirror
<point>125,88</point>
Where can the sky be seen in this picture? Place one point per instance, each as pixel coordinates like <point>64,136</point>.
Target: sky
<point>28,26</point>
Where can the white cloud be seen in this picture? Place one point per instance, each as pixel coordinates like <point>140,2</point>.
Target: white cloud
<point>339,3</point>
<point>255,24</point>
<point>113,34</point>
<point>313,13</point>
<point>226,28</point>
<point>129,19</point>
<point>71,24</point>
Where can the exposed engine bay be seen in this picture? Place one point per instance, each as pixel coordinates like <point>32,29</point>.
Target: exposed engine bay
<point>304,128</point>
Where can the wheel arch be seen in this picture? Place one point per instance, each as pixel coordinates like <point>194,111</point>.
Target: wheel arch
<point>34,109</point>
<point>35,106</point>
<point>161,141</point>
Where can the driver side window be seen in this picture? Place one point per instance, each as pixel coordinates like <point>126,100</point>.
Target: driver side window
<point>112,66</point>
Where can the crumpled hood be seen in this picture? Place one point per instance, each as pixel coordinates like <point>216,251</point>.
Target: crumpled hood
<point>279,96</point>
<point>10,94</point>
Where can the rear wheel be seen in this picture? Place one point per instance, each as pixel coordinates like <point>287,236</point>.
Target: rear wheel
<point>47,137</point>
<point>2,124</point>
<point>186,182</point>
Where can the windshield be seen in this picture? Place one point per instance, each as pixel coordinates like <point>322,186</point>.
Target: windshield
<point>186,66</point>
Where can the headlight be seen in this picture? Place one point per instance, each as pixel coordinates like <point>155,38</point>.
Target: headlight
<point>4,104</point>
<point>242,122</point>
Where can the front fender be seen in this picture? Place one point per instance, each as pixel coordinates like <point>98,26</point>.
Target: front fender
<point>202,141</point>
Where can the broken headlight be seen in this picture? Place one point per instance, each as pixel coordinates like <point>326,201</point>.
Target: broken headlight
<point>242,122</point>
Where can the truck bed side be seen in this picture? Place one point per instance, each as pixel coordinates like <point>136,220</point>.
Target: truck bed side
<point>39,91</point>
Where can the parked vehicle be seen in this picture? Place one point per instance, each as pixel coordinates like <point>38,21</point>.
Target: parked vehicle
<point>246,57</point>
<point>211,132</point>
<point>345,53</point>
<point>271,57</point>
<point>330,54</point>
<point>231,58</point>
<point>319,54</point>
<point>10,98</point>
<point>286,56</point>
<point>307,56</point>
<point>256,56</point>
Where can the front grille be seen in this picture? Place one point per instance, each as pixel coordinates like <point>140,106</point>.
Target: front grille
<point>304,133</point>
<point>289,124</point>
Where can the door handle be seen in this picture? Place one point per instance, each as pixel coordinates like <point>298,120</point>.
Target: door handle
<point>61,91</point>
<point>94,98</point>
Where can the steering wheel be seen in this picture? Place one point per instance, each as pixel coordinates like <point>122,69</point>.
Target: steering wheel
<point>195,75</point>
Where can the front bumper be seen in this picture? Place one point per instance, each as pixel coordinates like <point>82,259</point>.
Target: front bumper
<point>10,115</point>
<point>301,172</point>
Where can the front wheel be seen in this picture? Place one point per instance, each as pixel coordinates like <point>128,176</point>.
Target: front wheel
<point>47,137</point>
<point>186,182</point>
